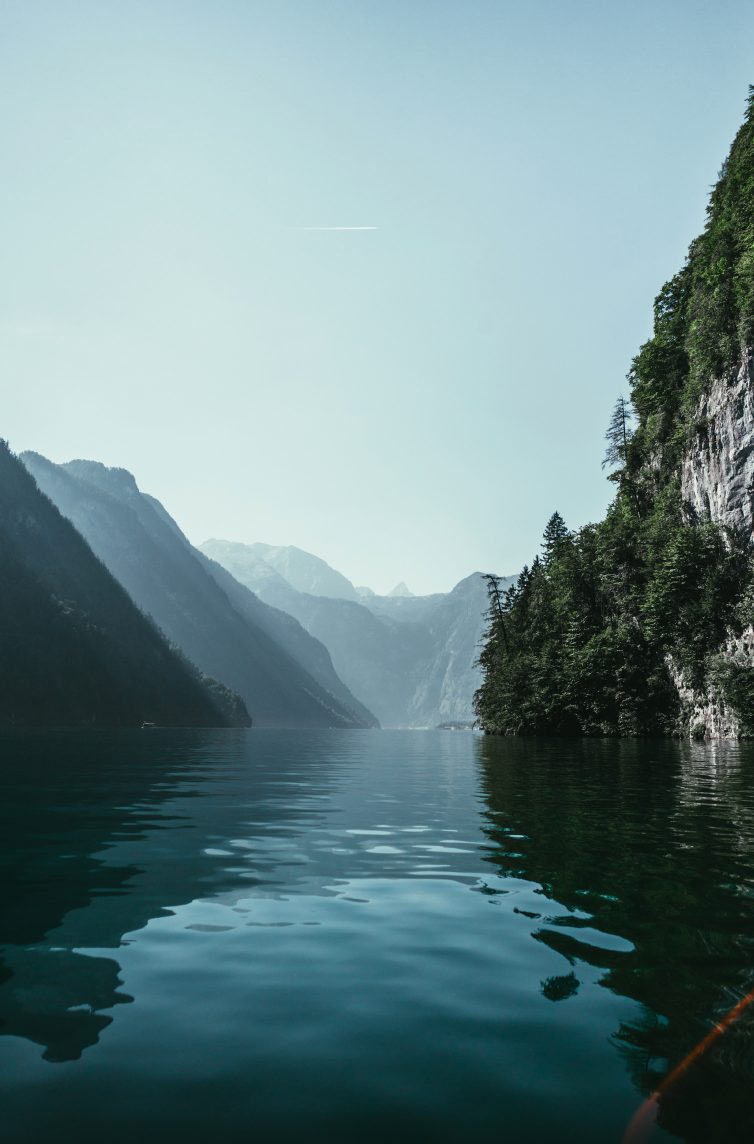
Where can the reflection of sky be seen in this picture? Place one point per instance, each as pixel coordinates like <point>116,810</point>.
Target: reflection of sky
<point>225,821</point>
<point>350,912</point>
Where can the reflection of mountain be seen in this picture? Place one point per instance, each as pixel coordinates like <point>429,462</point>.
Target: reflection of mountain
<point>134,839</point>
<point>328,917</point>
<point>132,825</point>
<point>651,844</point>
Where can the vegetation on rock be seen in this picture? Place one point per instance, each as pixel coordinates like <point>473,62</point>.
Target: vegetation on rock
<point>585,641</point>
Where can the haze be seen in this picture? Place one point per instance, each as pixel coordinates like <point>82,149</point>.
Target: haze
<point>364,278</point>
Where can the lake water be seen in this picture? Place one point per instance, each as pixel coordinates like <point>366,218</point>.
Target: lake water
<point>371,936</point>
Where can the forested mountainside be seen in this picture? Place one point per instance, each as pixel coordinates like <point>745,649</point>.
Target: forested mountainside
<point>283,675</point>
<point>643,623</point>
<point>411,659</point>
<point>74,649</point>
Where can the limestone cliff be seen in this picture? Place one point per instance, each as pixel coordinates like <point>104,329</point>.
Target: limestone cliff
<point>643,624</point>
<point>717,473</point>
<point>717,481</point>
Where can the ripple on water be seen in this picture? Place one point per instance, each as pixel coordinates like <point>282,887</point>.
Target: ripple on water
<point>238,942</point>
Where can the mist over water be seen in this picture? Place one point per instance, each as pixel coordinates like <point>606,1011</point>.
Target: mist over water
<point>370,935</point>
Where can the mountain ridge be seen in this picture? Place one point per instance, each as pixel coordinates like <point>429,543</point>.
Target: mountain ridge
<point>76,649</point>
<point>412,659</point>
<point>145,549</point>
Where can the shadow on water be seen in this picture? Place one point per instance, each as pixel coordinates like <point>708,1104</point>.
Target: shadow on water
<point>103,832</point>
<point>653,843</point>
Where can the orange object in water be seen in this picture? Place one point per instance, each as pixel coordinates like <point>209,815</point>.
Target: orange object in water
<point>644,1118</point>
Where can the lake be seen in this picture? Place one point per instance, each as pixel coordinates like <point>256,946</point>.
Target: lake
<point>363,936</point>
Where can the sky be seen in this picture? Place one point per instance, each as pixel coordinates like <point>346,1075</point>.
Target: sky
<point>410,399</point>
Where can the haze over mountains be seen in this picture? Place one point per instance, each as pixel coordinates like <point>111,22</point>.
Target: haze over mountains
<point>285,677</point>
<point>411,659</point>
<point>74,649</point>
<point>274,625</point>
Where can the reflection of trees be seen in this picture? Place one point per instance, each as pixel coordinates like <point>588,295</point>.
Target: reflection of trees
<point>75,811</point>
<point>56,1000</point>
<point>655,843</point>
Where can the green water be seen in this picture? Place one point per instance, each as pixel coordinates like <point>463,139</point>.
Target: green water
<point>363,936</point>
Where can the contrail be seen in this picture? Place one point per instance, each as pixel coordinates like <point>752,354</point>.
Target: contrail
<point>333,228</point>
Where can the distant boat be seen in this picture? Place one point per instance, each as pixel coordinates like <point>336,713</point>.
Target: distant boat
<point>145,725</point>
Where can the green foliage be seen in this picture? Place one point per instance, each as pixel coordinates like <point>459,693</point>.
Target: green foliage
<point>736,682</point>
<point>563,654</point>
<point>581,643</point>
<point>704,316</point>
<point>619,433</point>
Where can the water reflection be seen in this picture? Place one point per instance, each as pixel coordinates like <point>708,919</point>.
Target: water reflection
<point>651,844</point>
<point>369,932</point>
<point>103,832</point>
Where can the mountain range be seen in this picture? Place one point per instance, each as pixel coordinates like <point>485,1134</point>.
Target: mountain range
<point>275,625</point>
<point>284,675</point>
<point>411,659</point>
<point>74,648</point>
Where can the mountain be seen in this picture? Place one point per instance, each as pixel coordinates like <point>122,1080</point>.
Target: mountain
<point>75,649</point>
<point>456,622</point>
<point>644,622</point>
<point>304,571</point>
<point>401,589</point>
<point>411,659</point>
<point>285,677</point>
<point>378,659</point>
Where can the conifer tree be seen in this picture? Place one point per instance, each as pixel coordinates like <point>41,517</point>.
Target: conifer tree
<point>619,433</point>
<point>554,535</point>
<point>598,629</point>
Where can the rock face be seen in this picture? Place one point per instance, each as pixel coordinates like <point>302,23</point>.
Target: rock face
<point>456,622</point>
<point>410,659</point>
<point>705,713</point>
<point>284,675</point>
<point>717,481</point>
<point>717,476</point>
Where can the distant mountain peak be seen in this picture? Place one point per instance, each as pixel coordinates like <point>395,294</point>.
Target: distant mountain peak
<point>401,589</point>
<point>259,653</point>
<point>301,569</point>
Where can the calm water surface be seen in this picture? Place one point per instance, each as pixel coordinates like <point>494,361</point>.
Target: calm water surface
<point>371,936</point>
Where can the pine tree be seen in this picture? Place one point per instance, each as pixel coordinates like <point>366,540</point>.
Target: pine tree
<point>619,433</point>
<point>554,535</point>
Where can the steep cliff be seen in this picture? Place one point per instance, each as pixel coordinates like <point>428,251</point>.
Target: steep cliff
<point>717,482</point>
<point>644,623</point>
<point>717,472</point>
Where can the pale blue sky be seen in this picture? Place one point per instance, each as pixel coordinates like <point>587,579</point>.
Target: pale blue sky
<point>412,402</point>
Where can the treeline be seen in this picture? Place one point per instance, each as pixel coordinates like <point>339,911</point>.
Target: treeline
<point>585,641</point>
<point>74,649</point>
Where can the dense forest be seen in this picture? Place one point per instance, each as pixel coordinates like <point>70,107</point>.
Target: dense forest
<point>74,649</point>
<point>627,626</point>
